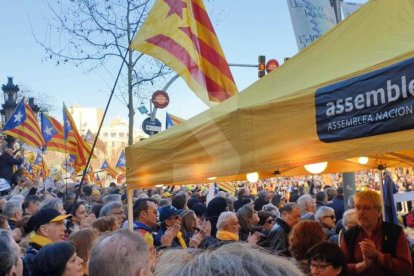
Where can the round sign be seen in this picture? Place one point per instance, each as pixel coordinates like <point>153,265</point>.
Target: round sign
<point>160,99</point>
<point>271,65</point>
<point>151,127</point>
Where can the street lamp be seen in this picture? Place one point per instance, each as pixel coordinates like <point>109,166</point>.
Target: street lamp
<point>10,99</point>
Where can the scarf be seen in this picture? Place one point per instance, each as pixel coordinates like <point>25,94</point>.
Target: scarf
<point>39,240</point>
<point>227,236</point>
<point>181,241</point>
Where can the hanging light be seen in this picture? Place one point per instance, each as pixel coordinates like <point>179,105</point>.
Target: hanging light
<point>363,160</point>
<point>212,178</point>
<point>159,185</point>
<point>252,177</point>
<point>316,168</point>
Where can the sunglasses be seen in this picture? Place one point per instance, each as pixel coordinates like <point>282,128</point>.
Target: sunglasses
<point>332,216</point>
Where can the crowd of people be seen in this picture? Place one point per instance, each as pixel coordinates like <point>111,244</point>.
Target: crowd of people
<point>190,231</point>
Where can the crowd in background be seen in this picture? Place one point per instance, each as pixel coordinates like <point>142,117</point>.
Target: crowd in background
<point>276,227</point>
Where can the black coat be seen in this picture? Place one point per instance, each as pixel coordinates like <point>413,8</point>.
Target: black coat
<point>6,165</point>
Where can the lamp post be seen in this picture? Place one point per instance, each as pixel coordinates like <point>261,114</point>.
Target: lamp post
<point>10,99</point>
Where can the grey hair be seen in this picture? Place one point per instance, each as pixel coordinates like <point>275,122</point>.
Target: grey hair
<point>224,218</point>
<point>351,201</point>
<point>230,259</point>
<point>9,252</point>
<point>304,201</point>
<point>324,211</point>
<point>121,253</point>
<point>112,197</point>
<point>55,203</point>
<point>263,194</point>
<point>349,219</point>
<point>107,208</point>
<point>11,208</point>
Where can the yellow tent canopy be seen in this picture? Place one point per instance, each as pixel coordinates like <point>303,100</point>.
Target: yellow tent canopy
<point>293,116</point>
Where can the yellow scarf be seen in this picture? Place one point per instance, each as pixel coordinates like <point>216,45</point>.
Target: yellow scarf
<point>181,241</point>
<point>227,236</point>
<point>39,240</point>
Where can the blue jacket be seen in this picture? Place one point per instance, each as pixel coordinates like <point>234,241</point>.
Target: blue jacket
<point>338,205</point>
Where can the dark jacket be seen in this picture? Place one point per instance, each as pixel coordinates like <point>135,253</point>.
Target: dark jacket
<point>28,258</point>
<point>338,205</point>
<point>6,165</point>
<point>278,238</point>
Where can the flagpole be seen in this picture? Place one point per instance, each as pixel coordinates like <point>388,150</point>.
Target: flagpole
<point>103,118</point>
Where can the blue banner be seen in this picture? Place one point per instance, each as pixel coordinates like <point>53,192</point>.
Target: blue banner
<point>374,103</point>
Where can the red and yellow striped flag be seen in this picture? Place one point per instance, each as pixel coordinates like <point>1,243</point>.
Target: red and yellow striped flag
<point>180,34</point>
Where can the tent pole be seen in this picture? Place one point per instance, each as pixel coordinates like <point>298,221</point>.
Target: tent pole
<point>381,180</point>
<point>130,210</point>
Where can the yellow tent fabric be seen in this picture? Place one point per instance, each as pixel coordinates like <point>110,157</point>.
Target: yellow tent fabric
<point>271,126</point>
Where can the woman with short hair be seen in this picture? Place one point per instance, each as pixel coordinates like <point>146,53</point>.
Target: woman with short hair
<point>83,241</point>
<point>327,259</point>
<point>248,220</point>
<point>57,259</point>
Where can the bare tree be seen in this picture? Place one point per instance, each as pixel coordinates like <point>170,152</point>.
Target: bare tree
<point>93,33</point>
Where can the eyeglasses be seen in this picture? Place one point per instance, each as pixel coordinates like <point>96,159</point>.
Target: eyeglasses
<point>118,213</point>
<point>364,207</point>
<point>331,216</point>
<point>319,267</point>
<point>174,217</point>
<point>270,221</point>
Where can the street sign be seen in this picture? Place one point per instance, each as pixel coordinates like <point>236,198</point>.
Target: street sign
<point>271,65</point>
<point>160,99</point>
<point>149,126</point>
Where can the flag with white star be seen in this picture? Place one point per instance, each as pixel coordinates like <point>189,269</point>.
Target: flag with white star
<point>52,132</point>
<point>180,34</point>
<point>121,162</point>
<point>110,170</point>
<point>23,125</point>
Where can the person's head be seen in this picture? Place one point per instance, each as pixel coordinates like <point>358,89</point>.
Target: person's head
<point>321,197</point>
<point>105,224</point>
<point>263,196</point>
<point>326,216</point>
<point>303,236</point>
<point>179,201</point>
<point>13,210</point>
<point>349,219</point>
<point>170,216</point>
<point>276,199</point>
<point>145,211</point>
<point>188,220</point>
<point>228,221</point>
<point>368,209</point>
<point>31,204</point>
<point>110,198</point>
<point>120,253</point>
<point>83,240</point>
<point>58,259</point>
<point>243,191</point>
<point>164,202</point>
<point>326,259</point>
<point>114,209</point>
<point>10,262</point>
<point>96,195</point>
<point>290,213</point>
<point>50,224</point>
<point>87,190</point>
<point>216,206</point>
<point>331,193</point>
<point>307,204</point>
<point>56,204</point>
<point>227,260</point>
<point>340,190</point>
<point>351,202</point>
<point>77,210</point>
<point>200,210</point>
<point>266,220</point>
<point>247,217</point>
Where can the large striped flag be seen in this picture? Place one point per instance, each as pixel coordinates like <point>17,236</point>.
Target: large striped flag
<point>112,172</point>
<point>39,167</point>
<point>71,135</point>
<point>23,125</point>
<point>52,132</point>
<point>121,162</point>
<point>180,34</point>
<point>171,120</point>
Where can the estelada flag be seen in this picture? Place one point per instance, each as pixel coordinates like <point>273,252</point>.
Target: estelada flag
<point>171,120</point>
<point>121,162</point>
<point>180,34</point>
<point>23,125</point>
<point>52,132</point>
<point>112,172</point>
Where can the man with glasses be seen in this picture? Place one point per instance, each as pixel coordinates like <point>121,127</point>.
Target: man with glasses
<point>114,209</point>
<point>145,218</point>
<point>326,218</point>
<point>375,247</point>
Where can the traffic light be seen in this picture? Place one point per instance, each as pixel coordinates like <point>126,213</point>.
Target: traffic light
<point>262,66</point>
